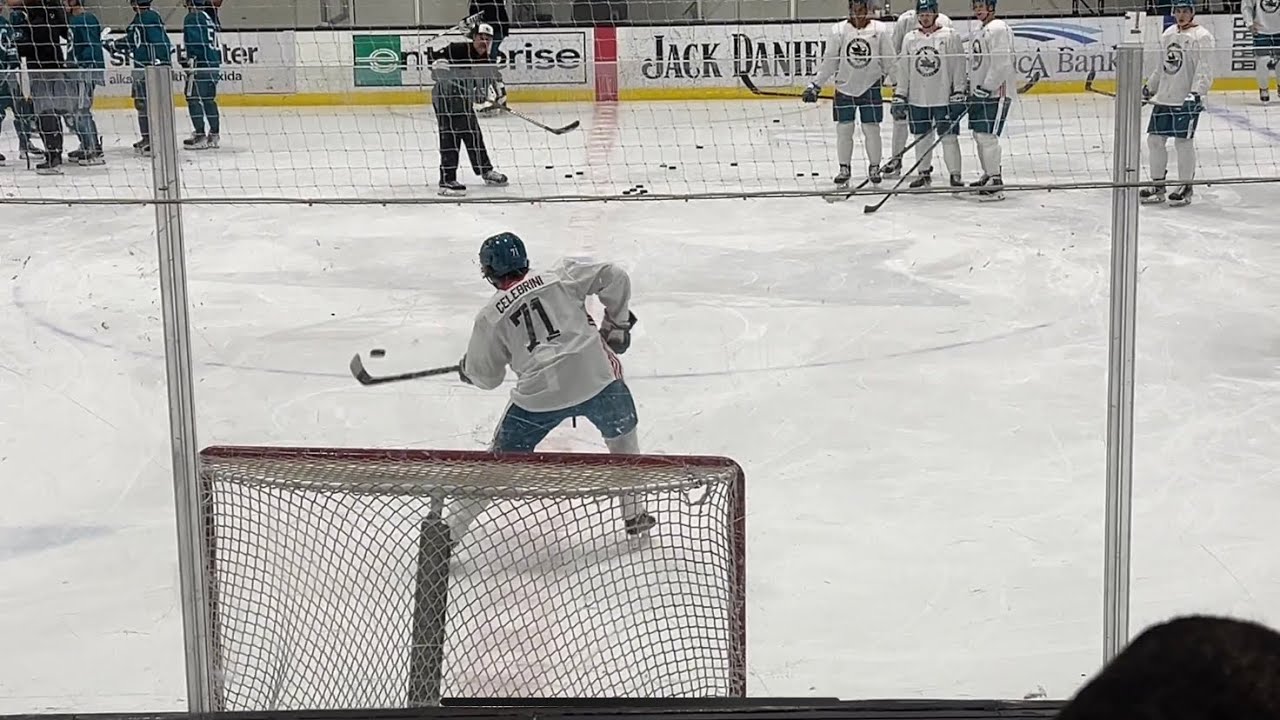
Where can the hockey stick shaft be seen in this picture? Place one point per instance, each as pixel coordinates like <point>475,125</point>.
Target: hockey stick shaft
<point>553,130</point>
<point>363,377</point>
<point>751,86</point>
<point>907,173</point>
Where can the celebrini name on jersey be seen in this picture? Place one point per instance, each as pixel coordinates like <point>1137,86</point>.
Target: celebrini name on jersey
<point>524,286</point>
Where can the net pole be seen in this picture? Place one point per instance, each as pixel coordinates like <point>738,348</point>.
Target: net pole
<point>182,426</point>
<point>430,612</point>
<point>1120,373</point>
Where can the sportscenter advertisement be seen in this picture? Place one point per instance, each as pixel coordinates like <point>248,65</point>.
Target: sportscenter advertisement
<point>252,63</point>
<point>527,57</point>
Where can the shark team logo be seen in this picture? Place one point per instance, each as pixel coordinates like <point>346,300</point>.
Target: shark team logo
<point>927,62</point>
<point>858,52</point>
<point>1174,57</point>
<point>1270,6</point>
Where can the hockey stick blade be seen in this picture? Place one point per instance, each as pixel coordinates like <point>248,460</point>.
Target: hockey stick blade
<point>1030,84</point>
<point>1088,85</point>
<point>363,377</point>
<point>868,209</point>
<point>553,130</point>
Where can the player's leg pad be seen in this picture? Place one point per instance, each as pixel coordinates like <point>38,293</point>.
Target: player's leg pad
<point>988,115</point>
<point>1175,121</point>
<point>612,410</point>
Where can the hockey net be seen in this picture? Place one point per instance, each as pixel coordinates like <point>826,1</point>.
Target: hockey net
<point>332,582</point>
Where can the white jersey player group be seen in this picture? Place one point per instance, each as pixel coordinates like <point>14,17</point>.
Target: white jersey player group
<point>936,78</point>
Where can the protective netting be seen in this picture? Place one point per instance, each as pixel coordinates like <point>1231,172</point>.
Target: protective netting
<point>319,568</point>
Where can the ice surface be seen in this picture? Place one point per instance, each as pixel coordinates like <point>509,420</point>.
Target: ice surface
<point>918,396</point>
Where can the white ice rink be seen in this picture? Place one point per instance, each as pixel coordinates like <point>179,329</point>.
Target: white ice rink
<point>918,397</point>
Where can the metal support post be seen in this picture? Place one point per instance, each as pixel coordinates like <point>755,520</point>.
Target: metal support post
<point>182,427</point>
<point>1120,373</point>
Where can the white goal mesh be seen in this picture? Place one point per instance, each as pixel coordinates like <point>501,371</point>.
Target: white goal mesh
<point>332,583</point>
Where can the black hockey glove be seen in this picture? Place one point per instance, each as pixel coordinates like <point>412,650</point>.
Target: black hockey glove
<point>617,335</point>
<point>462,372</point>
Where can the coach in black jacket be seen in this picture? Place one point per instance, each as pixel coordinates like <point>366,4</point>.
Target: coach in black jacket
<point>51,93</point>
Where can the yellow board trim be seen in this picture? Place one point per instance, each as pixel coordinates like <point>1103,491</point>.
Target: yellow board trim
<point>376,98</point>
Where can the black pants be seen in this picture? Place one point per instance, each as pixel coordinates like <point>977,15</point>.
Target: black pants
<point>51,132</point>
<point>459,128</point>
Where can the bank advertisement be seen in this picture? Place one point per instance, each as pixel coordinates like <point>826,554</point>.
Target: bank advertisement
<point>526,57</point>
<point>252,63</point>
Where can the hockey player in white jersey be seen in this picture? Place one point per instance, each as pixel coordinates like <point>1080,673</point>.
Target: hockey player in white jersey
<point>1176,89</point>
<point>537,323</point>
<point>991,92</point>
<point>905,23</point>
<point>1263,20</point>
<point>859,55</point>
<point>932,86</point>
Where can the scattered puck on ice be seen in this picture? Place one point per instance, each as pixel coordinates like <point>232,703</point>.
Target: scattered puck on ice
<point>733,164</point>
<point>776,120</point>
<point>643,192</point>
<point>377,352</point>
<point>578,173</point>
<point>698,146</point>
<point>815,174</point>
<point>569,175</point>
<point>799,174</point>
<point>550,167</point>
<point>638,186</point>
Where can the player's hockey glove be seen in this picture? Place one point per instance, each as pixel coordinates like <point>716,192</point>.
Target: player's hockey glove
<point>617,335</point>
<point>462,371</point>
<point>958,97</point>
<point>898,109</point>
<point>1146,93</point>
<point>810,93</point>
<point>981,93</point>
<point>1192,102</point>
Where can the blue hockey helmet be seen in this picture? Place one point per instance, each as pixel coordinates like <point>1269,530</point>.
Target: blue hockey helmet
<point>1188,4</point>
<point>924,6</point>
<point>503,255</point>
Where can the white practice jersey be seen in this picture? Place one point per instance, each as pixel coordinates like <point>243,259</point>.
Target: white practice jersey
<point>991,59</point>
<point>907,22</point>
<point>931,67</point>
<point>857,58</point>
<point>540,327</point>
<point>1186,65</point>
<point>1266,13</point>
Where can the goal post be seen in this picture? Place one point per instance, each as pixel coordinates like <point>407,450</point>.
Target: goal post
<point>334,581</point>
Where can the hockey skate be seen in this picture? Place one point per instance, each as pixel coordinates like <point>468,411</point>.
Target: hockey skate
<point>212,141</point>
<point>992,189</point>
<point>197,141</point>
<point>494,178</point>
<point>91,158</point>
<point>1152,194</point>
<point>143,147</point>
<point>1181,196</point>
<point>923,180</point>
<point>452,188</point>
<point>52,165</point>
<point>958,188</point>
<point>2,159</point>
<point>892,169</point>
<point>640,524</point>
<point>842,178</point>
<point>873,174</point>
<point>1264,96</point>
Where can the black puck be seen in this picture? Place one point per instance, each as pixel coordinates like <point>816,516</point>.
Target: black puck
<point>733,164</point>
<point>551,167</point>
<point>698,146</point>
<point>578,172</point>
<point>377,352</point>
<point>776,120</point>
<point>815,174</point>
<point>569,175</point>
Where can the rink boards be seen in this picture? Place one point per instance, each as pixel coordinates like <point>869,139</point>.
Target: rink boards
<point>686,62</point>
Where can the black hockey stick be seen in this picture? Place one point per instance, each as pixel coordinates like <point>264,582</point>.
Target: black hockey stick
<point>746,81</point>
<point>894,191</point>
<point>1088,85</point>
<point>364,378</point>
<point>553,130</point>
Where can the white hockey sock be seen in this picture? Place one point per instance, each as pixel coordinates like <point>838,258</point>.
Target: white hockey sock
<point>1263,74</point>
<point>1159,156</point>
<point>951,153</point>
<point>629,443</point>
<point>871,133</point>
<point>844,142</point>
<point>924,152</point>
<point>901,129</point>
<point>988,152</point>
<point>1186,150</point>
